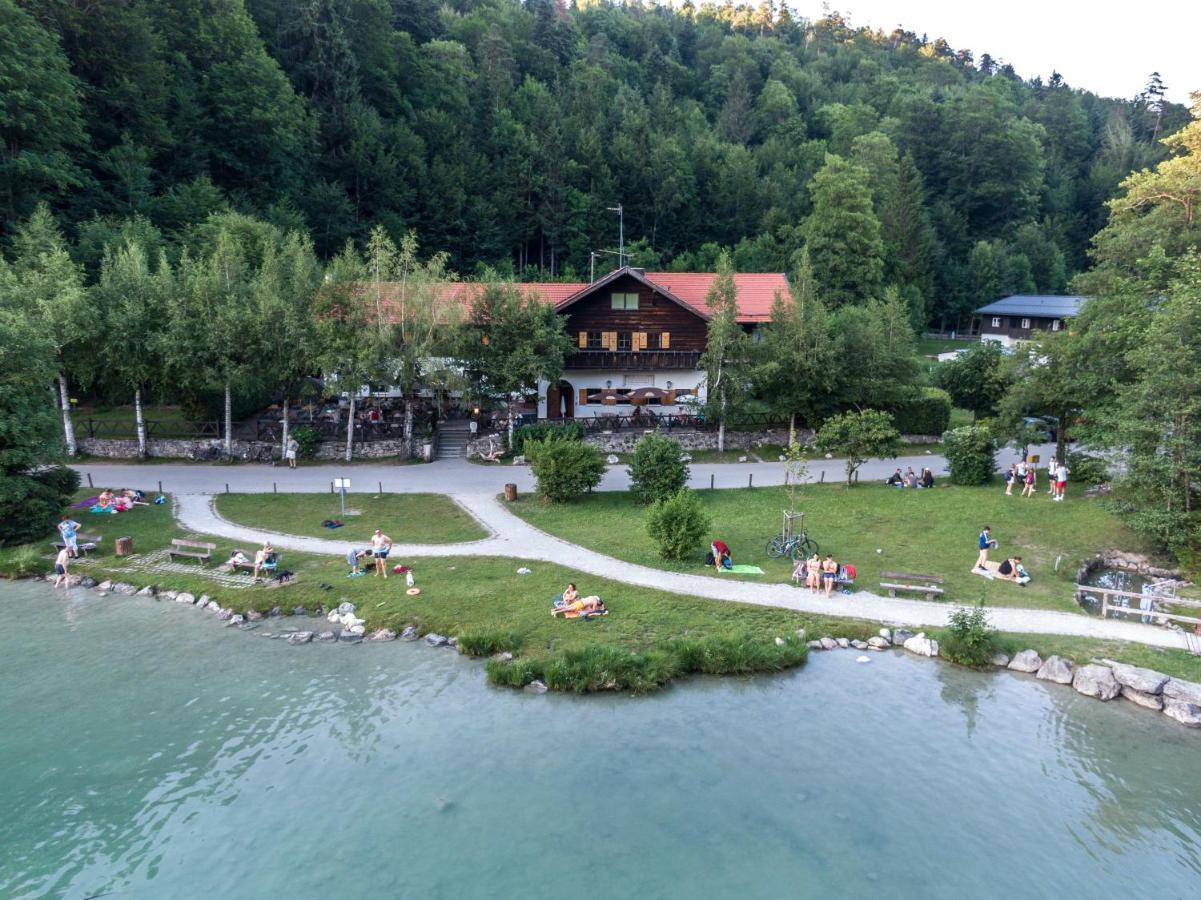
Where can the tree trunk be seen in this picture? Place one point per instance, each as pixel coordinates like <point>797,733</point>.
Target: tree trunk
<point>283,432</point>
<point>229,420</point>
<point>512,409</point>
<point>791,430</point>
<point>350,431</point>
<point>68,425</point>
<point>408,432</point>
<point>140,419</point>
<point>1061,438</point>
<point>721,424</point>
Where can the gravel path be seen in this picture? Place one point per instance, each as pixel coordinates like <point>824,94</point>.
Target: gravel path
<point>515,538</point>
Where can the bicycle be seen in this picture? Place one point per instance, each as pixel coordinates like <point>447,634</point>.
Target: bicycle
<point>209,454</point>
<point>263,454</point>
<point>797,546</point>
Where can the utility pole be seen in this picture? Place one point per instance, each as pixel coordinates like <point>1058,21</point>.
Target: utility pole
<point>591,266</point>
<point>621,234</point>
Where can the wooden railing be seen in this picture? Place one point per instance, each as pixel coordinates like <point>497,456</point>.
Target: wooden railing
<point>1156,611</point>
<point>628,359</point>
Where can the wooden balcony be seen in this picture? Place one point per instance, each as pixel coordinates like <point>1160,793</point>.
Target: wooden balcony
<point>628,359</point>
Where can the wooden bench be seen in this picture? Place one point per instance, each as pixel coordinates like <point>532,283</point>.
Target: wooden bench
<point>191,549</point>
<point>85,543</point>
<point>907,581</point>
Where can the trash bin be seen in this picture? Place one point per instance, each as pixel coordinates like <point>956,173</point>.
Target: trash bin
<point>124,546</point>
<point>510,492</point>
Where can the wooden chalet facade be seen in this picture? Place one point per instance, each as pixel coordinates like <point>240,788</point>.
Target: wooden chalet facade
<point>1014,320</point>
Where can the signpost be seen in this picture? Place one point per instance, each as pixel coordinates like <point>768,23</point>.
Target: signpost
<point>342,484</point>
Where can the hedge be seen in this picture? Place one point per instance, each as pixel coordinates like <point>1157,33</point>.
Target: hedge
<point>928,413</point>
<point>571,431</point>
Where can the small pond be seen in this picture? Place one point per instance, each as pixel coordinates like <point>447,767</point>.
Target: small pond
<point>1114,579</point>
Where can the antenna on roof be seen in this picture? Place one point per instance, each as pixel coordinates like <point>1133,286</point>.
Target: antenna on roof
<point>621,234</point>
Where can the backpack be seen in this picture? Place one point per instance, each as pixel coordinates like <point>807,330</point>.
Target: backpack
<point>851,572</point>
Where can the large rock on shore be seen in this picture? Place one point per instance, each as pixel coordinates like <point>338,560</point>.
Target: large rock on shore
<point>920,644</point>
<point>382,634</point>
<point>300,637</point>
<point>1026,661</point>
<point>409,634</point>
<point>436,640</point>
<point>87,582</point>
<point>253,615</point>
<point>1145,681</point>
<point>184,597</point>
<point>900,636</point>
<point>878,643</point>
<point>122,587</point>
<point>1150,701</point>
<point>1056,669</point>
<point>1096,681</point>
<point>828,643</point>
<point>999,659</point>
<point>1182,701</point>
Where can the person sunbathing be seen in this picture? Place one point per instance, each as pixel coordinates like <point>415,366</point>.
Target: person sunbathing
<point>1011,568</point>
<point>135,498</point>
<point>579,606</point>
<point>105,500</point>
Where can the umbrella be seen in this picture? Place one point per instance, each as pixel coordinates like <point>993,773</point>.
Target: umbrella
<point>643,395</point>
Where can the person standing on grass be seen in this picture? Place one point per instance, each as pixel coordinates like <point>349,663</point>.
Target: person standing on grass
<point>1010,478</point>
<point>292,449</point>
<point>69,529</point>
<point>1061,480</point>
<point>381,546</point>
<point>1051,466</point>
<point>986,543</point>
<point>1028,490</point>
<point>60,567</point>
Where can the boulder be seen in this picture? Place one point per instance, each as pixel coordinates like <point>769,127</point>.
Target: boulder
<point>859,645</point>
<point>780,642</point>
<point>168,595</point>
<point>409,634</point>
<point>276,612</point>
<point>525,570</point>
<point>185,597</point>
<point>900,636</point>
<point>213,606</point>
<point>886,634</point>
<point>862,659</point>
<point>87,582</point>
<point>815,645</point>
<point>349,637</point>
<point>1096,681</point>
<point>122,587</point>
<point>453,642</point>
<point>999,659</point>
<point>382,634</point>
<point>1182,691</point>
<point>800,632</point>
<point>357,629</point>
<point>878,643</point>
<point>1150,701</point>
<point>299,611</point>
<point>325,636</point>
<point>1182,711</point>
<point>1056,669</point>
<point>225,614</point>
<point>436,640</point>
<point>345,608</point>
<point>921,645</point>
<point>504,656</point>
<point>301,637</point>
<point>203,600</point>
<point>105,585</point>
<point>147,591</point>
<point>828,643</point>
<point>1145,681</point>
<point>536,687</point>
<point>237,619</point>
<point>333,618</point>
<point>1026,661</point>
<point>253,615</point>
<point>844,643</point>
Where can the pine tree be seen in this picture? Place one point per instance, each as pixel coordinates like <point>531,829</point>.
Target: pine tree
<point>843,234</point>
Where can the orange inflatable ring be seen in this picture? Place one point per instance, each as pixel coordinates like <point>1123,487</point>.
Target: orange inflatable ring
<point>413,592</point>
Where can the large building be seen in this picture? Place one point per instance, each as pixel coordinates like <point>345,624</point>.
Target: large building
<point>1012,320</point>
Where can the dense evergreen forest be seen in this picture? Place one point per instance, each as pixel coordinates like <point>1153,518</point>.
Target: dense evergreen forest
<point>503,132</point>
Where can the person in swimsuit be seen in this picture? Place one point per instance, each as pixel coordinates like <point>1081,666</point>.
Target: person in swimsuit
<point>60,566</point>
<point>579,605</point>
<point>813,573</point>
<point>381,545</point>
<point>829,573</point>
<point>1028,490</point>
<point>261,556</point>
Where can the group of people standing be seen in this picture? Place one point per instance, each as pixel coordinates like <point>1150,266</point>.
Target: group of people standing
<point>1026,474</point>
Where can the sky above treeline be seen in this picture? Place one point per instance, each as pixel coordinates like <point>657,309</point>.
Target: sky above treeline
<point>1107,48</point>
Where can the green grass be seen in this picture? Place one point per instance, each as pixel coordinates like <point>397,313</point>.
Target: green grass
<point>168,419</point>
<point>484,600</point>
<point>406,518</point>
<point>930,532</point>
<point>932,346</point>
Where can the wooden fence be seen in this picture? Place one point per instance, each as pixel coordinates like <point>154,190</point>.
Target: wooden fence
<point>1125,609</point>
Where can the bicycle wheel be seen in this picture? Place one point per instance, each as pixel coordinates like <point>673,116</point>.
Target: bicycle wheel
<point>776,546</point>
<point>804,548</point>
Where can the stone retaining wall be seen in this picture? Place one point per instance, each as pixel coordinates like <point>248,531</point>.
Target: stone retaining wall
<point>108,448</point>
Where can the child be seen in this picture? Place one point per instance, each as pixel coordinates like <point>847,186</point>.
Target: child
<point>60,567</point>
<point>1061,480</point>
<point>69,529</point>
<point>1010,478</point>
<point>986,543</point>
<point>1028,490</point>
<point>352,560</point>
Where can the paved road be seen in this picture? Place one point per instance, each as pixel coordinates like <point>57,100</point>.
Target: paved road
<point>513,537</point>
<point>453,476</point>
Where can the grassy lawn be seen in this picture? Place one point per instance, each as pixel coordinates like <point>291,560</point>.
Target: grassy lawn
<point>933,346</point>
<point>484,597</point>
<point>930,532</point>
<point>406,518</point>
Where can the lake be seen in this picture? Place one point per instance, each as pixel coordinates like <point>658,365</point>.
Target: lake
<point>147,752</point>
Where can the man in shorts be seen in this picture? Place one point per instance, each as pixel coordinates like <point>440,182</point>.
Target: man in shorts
<point>60,567</point>
<point>1061,480</point>
<point>69,529</point>
<point>381,546</point>
<point>352,560</point>
<point>291,451</point>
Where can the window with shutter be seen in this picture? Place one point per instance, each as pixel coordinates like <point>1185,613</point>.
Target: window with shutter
<point>583,397</point>
<point>610,340</point>
<point>665,340</point>
<point>639,340</point>
<point>583,340</point>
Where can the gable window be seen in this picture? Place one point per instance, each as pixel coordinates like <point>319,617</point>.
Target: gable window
<point>1055,325</point>
<point>595,341</point>
<point>624,301</point>
<point>1025,323</point>
<point>624,340</point>
<point>996,321</point>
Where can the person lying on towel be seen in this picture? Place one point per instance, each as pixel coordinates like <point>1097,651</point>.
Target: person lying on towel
<point>572,605</point>
<point>1008,569</point>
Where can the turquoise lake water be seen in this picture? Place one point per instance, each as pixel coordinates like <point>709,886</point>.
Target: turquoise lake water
<point>147,752</point>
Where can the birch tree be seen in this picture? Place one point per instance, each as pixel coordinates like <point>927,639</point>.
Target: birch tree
<point>726,359</point>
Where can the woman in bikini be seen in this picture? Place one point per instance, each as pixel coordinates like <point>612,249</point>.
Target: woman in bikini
<point>813,573</point>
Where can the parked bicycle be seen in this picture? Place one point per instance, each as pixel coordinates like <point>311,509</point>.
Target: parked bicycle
<point>794,543</point>
<point>262,454</point>
<point>209,454</point>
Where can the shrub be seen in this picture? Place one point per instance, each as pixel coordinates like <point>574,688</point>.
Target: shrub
<point>859,436</point>
<point>658,469</point>
<point>1087,469</point>
<point>488,642</point>
<point>517,673</point>
<point>927,413</point>
<point>564,468</point>
<point>600,667</point>
<point>677,524</point>
<point>971,454</point>
<point>968,640</point>
<point>30,504</point>
<point>21,561</point>
<point>307,439</point>
<point>540,431</point>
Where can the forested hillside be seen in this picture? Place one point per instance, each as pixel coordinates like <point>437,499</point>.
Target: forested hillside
<point>502,132</point>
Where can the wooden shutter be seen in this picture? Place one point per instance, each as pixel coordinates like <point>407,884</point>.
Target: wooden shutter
<point>665,341</point>
<point>583,396</point>
<point>670,398</point>
<point>639,340</point>
<point>610,340</point>
<point>583,340</point>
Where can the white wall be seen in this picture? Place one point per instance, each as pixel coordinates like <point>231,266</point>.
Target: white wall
<point>597,378</point>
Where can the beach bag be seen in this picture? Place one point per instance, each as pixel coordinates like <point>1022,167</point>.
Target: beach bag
<point>851,572</point>
<point>709,559</point>
<point>727,563</point>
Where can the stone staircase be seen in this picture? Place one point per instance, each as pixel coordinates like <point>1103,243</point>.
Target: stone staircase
<point>453,435</point>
